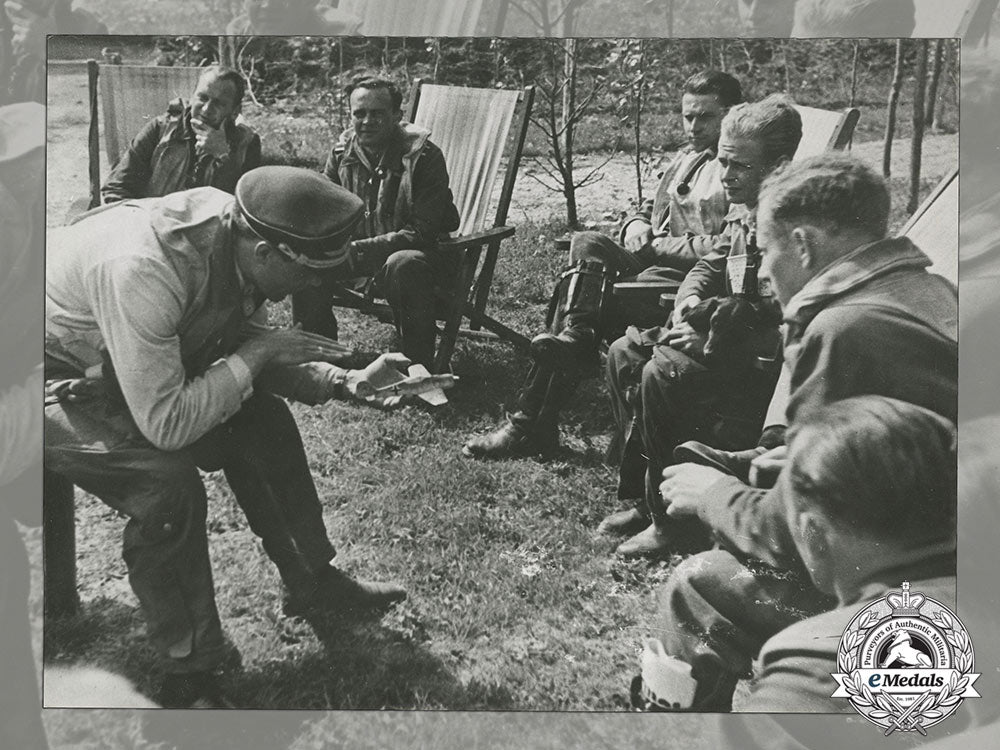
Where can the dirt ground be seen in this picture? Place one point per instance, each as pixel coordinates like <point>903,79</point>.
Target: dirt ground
<point>601,203</point>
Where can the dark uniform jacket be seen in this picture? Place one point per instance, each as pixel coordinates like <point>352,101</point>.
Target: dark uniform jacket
<point>161,159</point>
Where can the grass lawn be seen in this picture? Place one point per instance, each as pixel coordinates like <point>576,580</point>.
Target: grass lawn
<point>514,604</point>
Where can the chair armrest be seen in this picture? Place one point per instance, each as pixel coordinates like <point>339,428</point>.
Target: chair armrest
<point>493,234</point>
<point>644,289</point>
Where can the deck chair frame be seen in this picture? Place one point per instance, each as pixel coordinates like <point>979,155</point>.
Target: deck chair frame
<point>179,82</point>
<point>468,297</point>
<point>649,294</point>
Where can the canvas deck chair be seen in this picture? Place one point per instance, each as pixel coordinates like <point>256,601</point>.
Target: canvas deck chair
<point>128,96</point>
<point>477,130</point>
<point>822,130</point>
<point>441,18</point>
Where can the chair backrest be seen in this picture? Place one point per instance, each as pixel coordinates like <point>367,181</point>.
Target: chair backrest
<point>472,127</point>
<point>132,95</point>
<point>415,17</point>
<point>934,227</point>
<point>823,129</point>
<point>935,18</point>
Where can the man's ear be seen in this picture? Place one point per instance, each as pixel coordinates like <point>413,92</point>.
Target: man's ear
<point>804,244</point>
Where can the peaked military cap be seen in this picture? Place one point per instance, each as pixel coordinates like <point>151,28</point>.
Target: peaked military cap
<point>302,209</point>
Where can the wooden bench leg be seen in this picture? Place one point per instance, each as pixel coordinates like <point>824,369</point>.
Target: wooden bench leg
<point>59,546</point>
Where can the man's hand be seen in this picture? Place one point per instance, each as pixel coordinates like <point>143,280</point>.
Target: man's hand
<point>385,383</point>
<point>290,346</point>
<point>685,339</point>
<point>638,234</point>
<point>684,306</point>
<point>684,485</point>
<point>765,468</point>
<point>209,140</point>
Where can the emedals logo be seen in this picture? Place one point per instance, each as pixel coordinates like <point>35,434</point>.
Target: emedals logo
<point>905,663</point>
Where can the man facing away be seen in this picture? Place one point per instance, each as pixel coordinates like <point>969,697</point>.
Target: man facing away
<point>159,363</point>
<point>670,233</point>
<point>199,144</point>
<point>401,177</point>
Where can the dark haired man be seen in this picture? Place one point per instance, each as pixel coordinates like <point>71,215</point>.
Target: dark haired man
<point>199,144</point>
<point>402,179</point>
<point>159,362</point>
<point>669,234</point>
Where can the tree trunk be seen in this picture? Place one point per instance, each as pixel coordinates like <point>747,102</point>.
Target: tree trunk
<point>568,105</point>
<point>943,87</point>
<point>890,122</point>
<point>637,126</point>
<point>855,58</point>
<point>932,87</point>
<point>917,144</point>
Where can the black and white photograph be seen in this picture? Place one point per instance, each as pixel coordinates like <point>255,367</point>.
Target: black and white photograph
<point>402,370</point>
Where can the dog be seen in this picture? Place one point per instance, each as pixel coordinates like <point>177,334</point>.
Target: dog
<point>738,329</point>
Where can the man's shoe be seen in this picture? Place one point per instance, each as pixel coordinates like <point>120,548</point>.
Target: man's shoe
<point>623,522</point>
<point>192,690</point>
<point>336,593</point>
<point>651,542</point>
<point>512,441</point>
<point>566,352</point>
<point>735,463</point>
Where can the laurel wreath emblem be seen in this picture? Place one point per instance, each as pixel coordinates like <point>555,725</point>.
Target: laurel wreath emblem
<point>880,707</point>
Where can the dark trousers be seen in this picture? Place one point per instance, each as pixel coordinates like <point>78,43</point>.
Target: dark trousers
<point>407,280</point>
<point>96,445</point>
<point>716,613</point>
<point>661,398</point>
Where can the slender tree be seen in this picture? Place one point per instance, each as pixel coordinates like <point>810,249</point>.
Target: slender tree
<point>932,86</point>
<point>890,120</point>
<point>917,141</point>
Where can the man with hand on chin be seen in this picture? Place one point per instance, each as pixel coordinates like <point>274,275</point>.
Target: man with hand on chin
<point>159,362</point>
<point>194,145</point>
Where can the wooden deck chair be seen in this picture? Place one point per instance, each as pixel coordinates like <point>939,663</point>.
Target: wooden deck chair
<point>128,96</point>
<point>477,130</point>
<point>447,18</point>
<point>822,130</point>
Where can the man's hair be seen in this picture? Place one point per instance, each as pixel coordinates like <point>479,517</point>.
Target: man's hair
<point>773,122</point>
<point>715,83</point>
<point>855,18</point>
<point>883,467</point>
<point>375,84</point>
<point>833,190</point>
<point>233,77</point>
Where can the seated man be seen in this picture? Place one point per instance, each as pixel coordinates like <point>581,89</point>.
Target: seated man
<point>291,17</point>
<point>194,145</point>
<point>159,363</point>
<point>869,498</point>
<point>672,231</point>
<point>401,177</point>
<point>660,394</point>
<point>850,295</point>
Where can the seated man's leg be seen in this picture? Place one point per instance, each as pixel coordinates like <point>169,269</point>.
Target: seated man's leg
<point>407,280</point>
<point>261,451</point>
<point>165,544</point>
<point>623,373</point>
<point>716,613</point>
<point>313,308</point>
<point>583,292</point>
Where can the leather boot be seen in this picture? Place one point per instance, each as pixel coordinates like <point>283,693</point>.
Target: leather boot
<point>574,318</point>
<point>336,593</point>
<point>624,522</point>
<point>533,430</point>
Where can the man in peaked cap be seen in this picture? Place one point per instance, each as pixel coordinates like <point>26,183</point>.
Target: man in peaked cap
<point>159,363</point>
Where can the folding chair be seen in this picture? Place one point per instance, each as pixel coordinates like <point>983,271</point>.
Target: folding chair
<point>934,227</point>
<point>448,18</point>
<point>129,96</point>
<point>822,130</point>
<point>474,128</point>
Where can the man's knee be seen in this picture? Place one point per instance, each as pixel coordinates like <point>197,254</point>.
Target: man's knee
<point>406,265</point>
<point>170,500</point>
